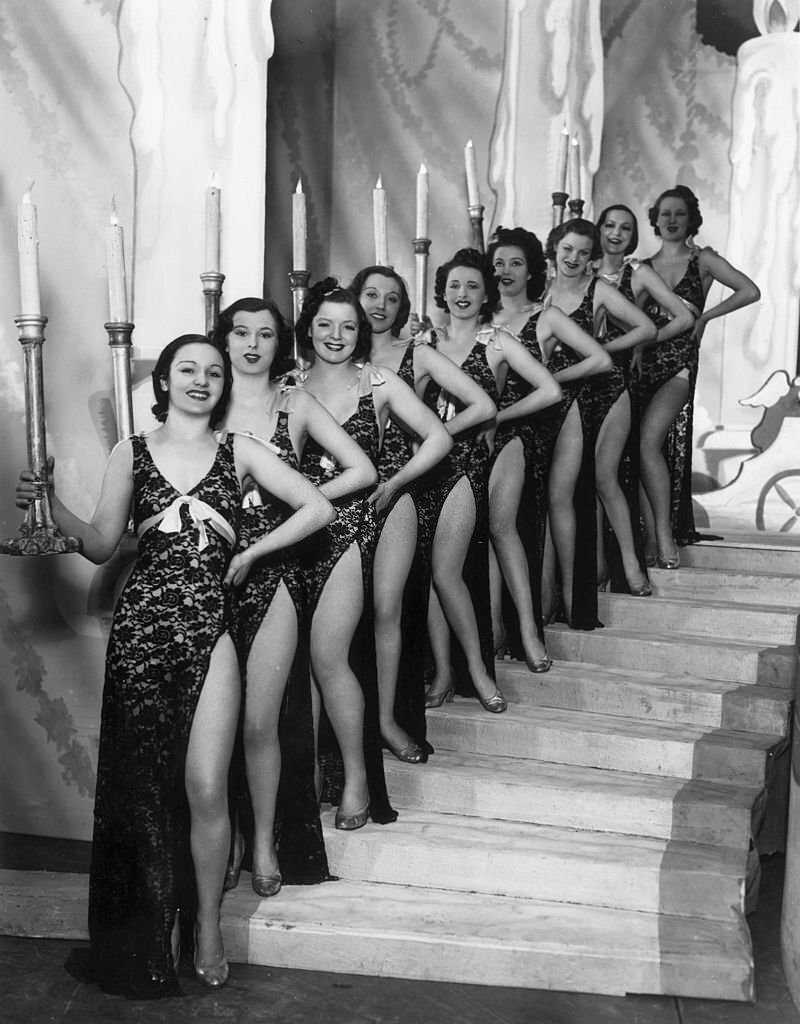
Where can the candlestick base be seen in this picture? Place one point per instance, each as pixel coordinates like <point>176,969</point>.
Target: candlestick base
<point>36,539</point>
<point>476,221</point>
<point>212,290</point>
<point>559,206</point>
<point>575,208</point>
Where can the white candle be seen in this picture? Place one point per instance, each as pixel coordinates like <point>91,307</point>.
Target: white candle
<point>28,247</point>
<point>473,195</point>
<point>379,224</point>
<point>575,168</point>
<point>299,261</point>
<point>115,260</point>
<point>213,194</point>
<point>422,202</point>
<point>561,166</point>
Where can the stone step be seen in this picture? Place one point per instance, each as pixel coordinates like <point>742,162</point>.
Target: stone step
<point>753,588</point>
<point>704,703</point>
<point>453,852</point>
<point>575,797</point>
<point>658,651</point>
<point>710,618</point>
<point>404,932</point>
<point>740,555</point>
<point>604,741</point>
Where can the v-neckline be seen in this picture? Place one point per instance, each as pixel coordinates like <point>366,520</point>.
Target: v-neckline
<point>169,483</point>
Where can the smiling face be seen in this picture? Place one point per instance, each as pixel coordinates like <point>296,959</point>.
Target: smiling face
<point>334,332</point>
<point>253,342</point>
<point>380,298</point>
<point>196,378</point>
<point>673,219</point>
<point>573,253</point>
<point>616,232</point>
<point>464,292</point>
<point>511,270</point>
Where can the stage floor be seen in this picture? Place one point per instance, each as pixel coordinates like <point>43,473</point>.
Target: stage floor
<point>37,989</point>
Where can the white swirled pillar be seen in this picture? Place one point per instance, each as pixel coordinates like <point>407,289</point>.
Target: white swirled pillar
<point>763,238</point>
<point>552,76</point>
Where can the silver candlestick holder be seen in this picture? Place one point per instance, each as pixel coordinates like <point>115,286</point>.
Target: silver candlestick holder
<point>119,341</point>
<point>212,290</point>
<point>476,222</point>
<point>298,280</point>
<point>38,534</point>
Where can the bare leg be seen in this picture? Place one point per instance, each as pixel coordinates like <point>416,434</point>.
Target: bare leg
<point>450,545</point>
<point>611,441</point>
<point>550,592</point>
<point>439,638</point>
<point>564,471</point>
<point>268,665</point>
<point>505,492</point>
<point>393,557</point>
<point>496,597</point>
<point>207,760</point>
<point>658,417</point>
<point>332,629</point>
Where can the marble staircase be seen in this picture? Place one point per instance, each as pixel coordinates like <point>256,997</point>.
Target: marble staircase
<point>600,836</point>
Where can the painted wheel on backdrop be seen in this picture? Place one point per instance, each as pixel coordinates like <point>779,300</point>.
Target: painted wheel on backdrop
<point>778,508</point>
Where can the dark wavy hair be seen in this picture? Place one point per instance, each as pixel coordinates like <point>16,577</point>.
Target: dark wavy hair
<point>403,310</point>
<point>219,335</point>
<point>575,226</point>
<point>532,250</point>
<point>161,371</point>
<point>634,242</point>
<point>329,290</point>
<point>473,260</point>
<point>692,205</point>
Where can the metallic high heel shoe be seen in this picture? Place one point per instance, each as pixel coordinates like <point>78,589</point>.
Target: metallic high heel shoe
<point>214,975</point>
<point>644,590</point>
<point>350,822</point>
<point>267,885</point>
<point>412,753</point>
<point>496,703</point>
<point>668,563</point>
<point>539,664</point>
<point>435,700</point>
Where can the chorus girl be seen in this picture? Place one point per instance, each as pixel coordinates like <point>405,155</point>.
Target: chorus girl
<point>269,610</point>
<point>639,283</point>
<point>453,509</point>
<point>517,485</point>
<point>572,247</point>
<point>669,371</point>
<point>335,332</point>
<point>399,607</point>
<point>171,694</point>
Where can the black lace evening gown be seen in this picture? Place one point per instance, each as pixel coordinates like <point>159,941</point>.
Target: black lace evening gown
<point>469,457</point>
<point>659,364</point>
<point>169,617</point>
<point>298,833</point>
<point>355,523</point>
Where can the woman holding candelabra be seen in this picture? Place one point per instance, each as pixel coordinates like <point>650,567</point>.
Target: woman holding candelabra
<point>269,608</point>
<point>171,695</point>
<point>519,474</point>
<point>400,606</point>
<point>639,283</point>
<point>669,371</point>
<point>334,330</point>
<point>458,495</point>
<point>571,247</point>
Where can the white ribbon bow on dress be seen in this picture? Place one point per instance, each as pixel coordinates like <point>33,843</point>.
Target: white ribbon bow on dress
<point>200,513</point>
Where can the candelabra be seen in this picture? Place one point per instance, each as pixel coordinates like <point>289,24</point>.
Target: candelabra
<point>298,280</point>
<point>119,341</point>
<point>212,290</point>
<point>38,534</point>
<point>476,220</point>
<point>559,205</point>
<point>421,250</point>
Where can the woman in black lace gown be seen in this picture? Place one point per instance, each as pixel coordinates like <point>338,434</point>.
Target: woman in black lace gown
<point>669,371</point>
<point>171,694</point>
<point>454,502</point>
<point>335,333</point>
<point>517,486</point>
<point>618,476</point>
<point>269,610</point>
<point>399,594</point>
<point>571,247</point>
